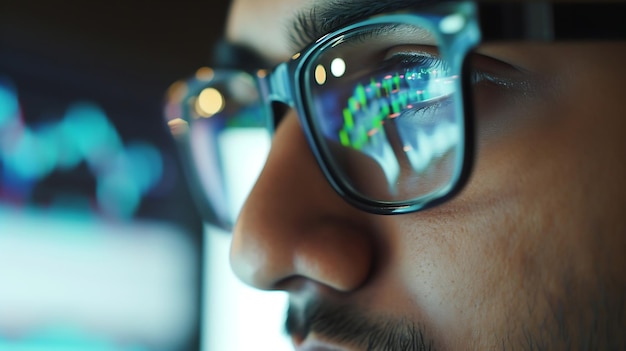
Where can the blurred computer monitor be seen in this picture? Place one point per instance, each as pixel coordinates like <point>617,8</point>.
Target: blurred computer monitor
<point>99,242</point>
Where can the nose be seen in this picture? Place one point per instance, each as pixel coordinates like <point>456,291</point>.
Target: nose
<point>294,226</point>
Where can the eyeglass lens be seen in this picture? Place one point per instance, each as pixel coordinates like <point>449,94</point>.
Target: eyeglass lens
<point>385,111</point>
<point>383,104</point>
<point>229,139</point>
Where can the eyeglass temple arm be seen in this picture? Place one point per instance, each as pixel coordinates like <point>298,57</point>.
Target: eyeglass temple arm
<point>545,21</point>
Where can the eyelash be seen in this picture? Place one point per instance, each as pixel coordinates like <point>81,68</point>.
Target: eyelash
<point>421,59</point>
<point>424,59</point>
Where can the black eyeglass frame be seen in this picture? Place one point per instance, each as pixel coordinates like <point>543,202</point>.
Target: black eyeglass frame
<point>534,21</point>
<point>506,22</point>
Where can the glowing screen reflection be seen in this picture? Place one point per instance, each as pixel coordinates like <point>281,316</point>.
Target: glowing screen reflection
<point>123,173</point>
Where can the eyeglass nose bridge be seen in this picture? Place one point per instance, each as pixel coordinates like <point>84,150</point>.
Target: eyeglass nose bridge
<point>275,85</point>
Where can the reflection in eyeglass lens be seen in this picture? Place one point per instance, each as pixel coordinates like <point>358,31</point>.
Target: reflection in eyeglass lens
<point>399,112</point>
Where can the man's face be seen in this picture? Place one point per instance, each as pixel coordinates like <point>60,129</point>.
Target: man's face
<point>530,255</point>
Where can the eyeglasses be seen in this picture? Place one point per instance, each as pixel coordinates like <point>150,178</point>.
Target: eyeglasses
<point>385,104</point>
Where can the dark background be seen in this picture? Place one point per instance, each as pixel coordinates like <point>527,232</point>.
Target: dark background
<point>142,42</point>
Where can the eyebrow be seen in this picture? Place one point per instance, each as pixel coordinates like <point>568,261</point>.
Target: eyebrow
<point>329,15</point>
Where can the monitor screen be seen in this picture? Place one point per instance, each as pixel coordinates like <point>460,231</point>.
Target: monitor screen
<point>100,245</point>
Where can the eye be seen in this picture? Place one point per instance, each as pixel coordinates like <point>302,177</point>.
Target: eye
<point>425,85</point>
<point>379,81</point>
<point>494,83</point>
<point>391,114</point>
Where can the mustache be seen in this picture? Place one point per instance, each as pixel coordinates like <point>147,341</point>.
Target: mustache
<point>350,325</point>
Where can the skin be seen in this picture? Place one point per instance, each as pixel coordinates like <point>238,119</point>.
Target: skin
<point>530,255</point>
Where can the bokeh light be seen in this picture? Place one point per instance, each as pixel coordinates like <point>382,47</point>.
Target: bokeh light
<point>210,102</point>
<point>338,67</point>
<point>320,75</point>
<point>8,101</point>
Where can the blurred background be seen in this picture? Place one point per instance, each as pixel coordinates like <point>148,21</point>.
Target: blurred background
<point>101,247</point>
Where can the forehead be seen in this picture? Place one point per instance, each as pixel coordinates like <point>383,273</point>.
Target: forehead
<point>267,26</point>
<point>264,25</point>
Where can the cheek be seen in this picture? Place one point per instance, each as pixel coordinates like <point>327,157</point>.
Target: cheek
<point>462,272</point>
<point>481,258</point>
<point>535,216</point>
